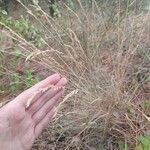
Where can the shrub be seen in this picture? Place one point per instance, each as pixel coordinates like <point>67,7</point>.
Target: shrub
<point>101,52</point>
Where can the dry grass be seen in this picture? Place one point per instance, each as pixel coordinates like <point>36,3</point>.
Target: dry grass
<point>108,64</point>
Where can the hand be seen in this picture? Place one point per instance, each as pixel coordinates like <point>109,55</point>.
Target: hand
<point>20,126</point>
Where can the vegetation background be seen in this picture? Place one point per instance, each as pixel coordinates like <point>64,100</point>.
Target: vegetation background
<point>102,47</point>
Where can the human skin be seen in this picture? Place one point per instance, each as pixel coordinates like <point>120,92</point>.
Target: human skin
<point>20,126</point>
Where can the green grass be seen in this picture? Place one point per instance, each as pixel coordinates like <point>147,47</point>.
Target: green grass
<point>16,78</point>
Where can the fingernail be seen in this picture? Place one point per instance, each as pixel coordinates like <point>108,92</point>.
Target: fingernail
<point>57,75</point>
<point>64,80</point>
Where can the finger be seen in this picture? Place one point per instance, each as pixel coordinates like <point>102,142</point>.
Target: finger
<point>47,96</point>
<point>39,115</point>
<point>39,127</point>
<point>23,97</point>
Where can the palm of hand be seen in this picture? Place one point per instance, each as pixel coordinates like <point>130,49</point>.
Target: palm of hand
<point>17,130</point>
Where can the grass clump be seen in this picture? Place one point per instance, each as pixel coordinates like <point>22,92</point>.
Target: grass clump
<point>104,52</point>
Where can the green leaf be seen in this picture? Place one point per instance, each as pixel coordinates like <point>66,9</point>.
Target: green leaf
<point>148,79</point>
<point>145,140</point>
<point>35,2</point>
<point>15,83</point>
<point>147,105</point>
<point>16,78</point>
<point>139,147</point>
<point>71,4</point>
<point>17,52</point>
<point>4,12</point>
<point>130,110</point>
<point>144,143</point>
<point>39,42</point>
<point>125,145</point>
<point>29,78</point>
